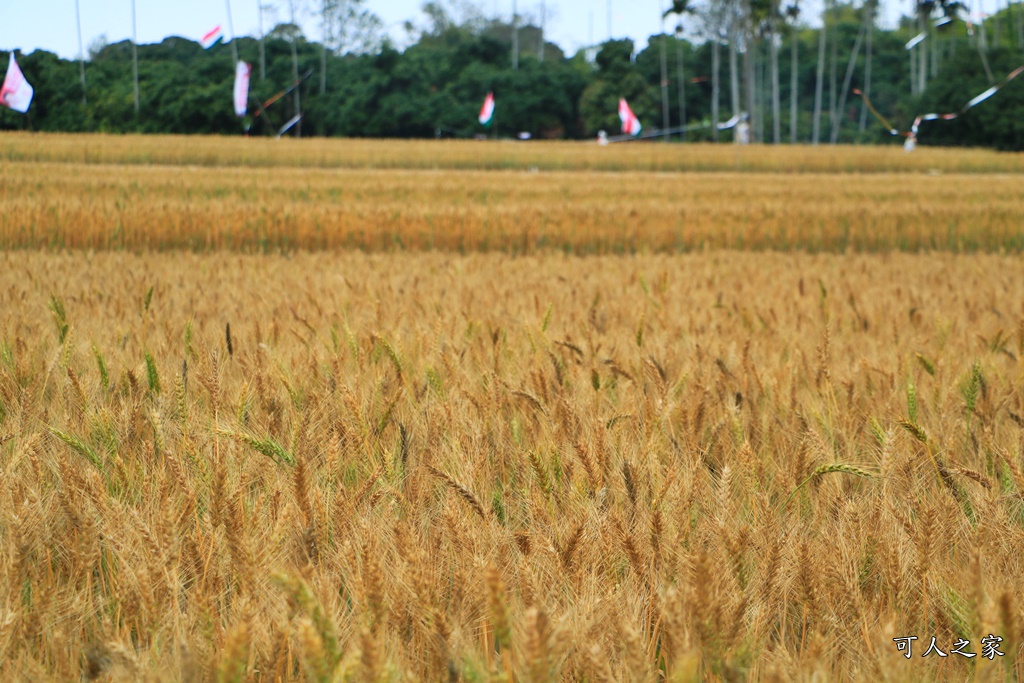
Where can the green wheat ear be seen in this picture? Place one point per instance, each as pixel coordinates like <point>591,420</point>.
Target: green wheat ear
<point>78,446</point>
<point>828,469</point>
<point>102,366</point>
<point>148,300</point>
<point>267,446</point>
<point>912,402</point>
<point>151,374</point>
<point>59,317</point>
<point>971,387</point>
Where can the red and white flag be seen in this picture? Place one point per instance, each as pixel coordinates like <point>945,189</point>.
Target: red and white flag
<point>242,73</point>
<point>211,38</point>
<point>630,123</point>
<point>16,92</point>
<point>487,110</point>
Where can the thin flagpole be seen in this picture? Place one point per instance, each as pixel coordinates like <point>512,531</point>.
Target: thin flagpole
<point>665,123</point>
<point>135,56</point>
<point>231,32</point>
<point>681,82</point>
<point>263,47</point>
<point>543,20</point>
<point>515,36</point>
<point>81,51</point>
<point>295,69</point>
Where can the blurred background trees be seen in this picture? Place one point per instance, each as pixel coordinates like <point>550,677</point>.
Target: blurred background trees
<point>724,57</point>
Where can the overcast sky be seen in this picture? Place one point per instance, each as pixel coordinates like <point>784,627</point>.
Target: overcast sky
<point>50,24</point>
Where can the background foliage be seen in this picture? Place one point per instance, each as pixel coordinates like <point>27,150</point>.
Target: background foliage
<point>434,86</point>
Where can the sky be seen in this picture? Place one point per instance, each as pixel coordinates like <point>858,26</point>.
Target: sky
<point>50,24</point>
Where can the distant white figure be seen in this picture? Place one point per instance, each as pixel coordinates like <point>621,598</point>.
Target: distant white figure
<point>910,144</point>
<point>602,138</point>
<point>742,134</point>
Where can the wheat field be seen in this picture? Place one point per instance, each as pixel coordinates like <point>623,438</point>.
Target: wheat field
<point>81,206</point>
<point>434,411</point>
<point>428,466</point>
<point>262,152</point>
<point>171,193</point>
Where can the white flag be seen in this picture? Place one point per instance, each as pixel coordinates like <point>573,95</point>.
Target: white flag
<point>242,73</point>
<point>982,97</point>
<point>16,93</point>
<point>289,124</point>
<point>915,40</point>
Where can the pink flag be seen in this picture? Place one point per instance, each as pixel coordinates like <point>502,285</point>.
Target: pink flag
<point>630,123</point>
<point>487,110</point>
<point>211,38</point>
<point>242,73</point>
<point>16,93</point>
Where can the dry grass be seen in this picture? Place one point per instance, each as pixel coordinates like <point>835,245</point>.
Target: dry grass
<point>123,207</point>
<point>434,467</point>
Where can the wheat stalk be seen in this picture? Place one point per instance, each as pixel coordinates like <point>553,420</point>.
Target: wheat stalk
<point>826,469</point>
<point>464,493</point>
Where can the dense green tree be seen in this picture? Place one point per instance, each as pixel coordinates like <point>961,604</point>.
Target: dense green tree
<point>436,84</point>
<point>997,122</point>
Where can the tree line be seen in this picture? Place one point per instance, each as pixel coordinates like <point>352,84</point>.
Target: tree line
<point>796,82</point>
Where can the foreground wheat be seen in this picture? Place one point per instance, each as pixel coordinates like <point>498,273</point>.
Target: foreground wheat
<point>430,467</point>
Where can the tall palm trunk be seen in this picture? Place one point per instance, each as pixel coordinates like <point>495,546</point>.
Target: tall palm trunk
<point>734,75</point>
<point>1020,25</point>
<point>922,54</point>
<point>983,51</point>
<point>716,87</point>
<point>515,36</point>
<point>263,43</point>
<point>833,69</point>
<point>543,25</point>
<point>793,80</point>
<point>81,52</point>
<point>323,69</point>
<point>296,98</point>
<point>913,71</point>
<point>682,88</point>
<point>135,57</point>
<point>760,94</point>
<point>231,32</point>
<point>837,124</point>
<point>748,64</point>
<point>867,66</point>
<point>665,122</point>
<point>819,87</point>
<point>997,28</point>
<point>776,104</point>
<point>325,19</point>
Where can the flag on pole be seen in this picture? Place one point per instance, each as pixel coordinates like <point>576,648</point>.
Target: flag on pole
<point>288,125</point>
<point>950,116</point>
<point>16,92</point>
<point>731,123</point>
<point>630,123</point>
<point>487,111</point>
<point>212,38</point>
<point>940,22</point>
<point>915,40</point>
<point>242,73</point>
